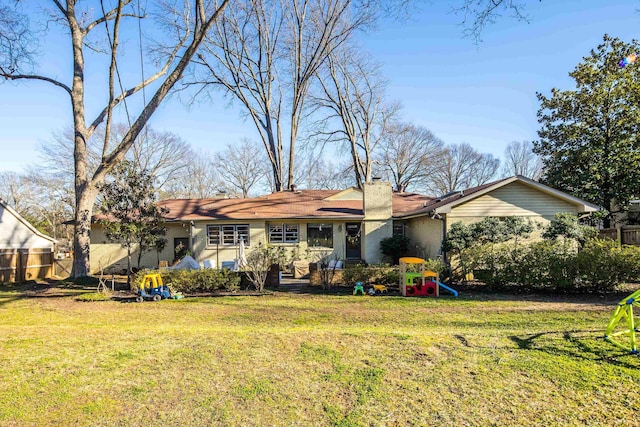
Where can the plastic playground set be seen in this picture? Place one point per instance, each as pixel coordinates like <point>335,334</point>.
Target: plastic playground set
<point>417,281</point>
<point>622,324</point>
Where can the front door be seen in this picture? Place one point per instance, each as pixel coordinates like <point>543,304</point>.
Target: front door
<point>352,240</point>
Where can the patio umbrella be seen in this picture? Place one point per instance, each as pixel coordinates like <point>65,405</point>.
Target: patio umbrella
<point>242,260</point>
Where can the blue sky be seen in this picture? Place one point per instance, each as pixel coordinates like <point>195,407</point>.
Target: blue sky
<point>483,95</point>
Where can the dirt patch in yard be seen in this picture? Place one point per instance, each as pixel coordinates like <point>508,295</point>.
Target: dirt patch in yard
<point>507,302</point>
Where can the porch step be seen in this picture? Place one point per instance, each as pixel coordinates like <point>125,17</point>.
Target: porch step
<point>289,284</point>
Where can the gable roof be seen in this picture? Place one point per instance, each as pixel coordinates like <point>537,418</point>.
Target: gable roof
<point>26,223</point>
<point>444,204</point>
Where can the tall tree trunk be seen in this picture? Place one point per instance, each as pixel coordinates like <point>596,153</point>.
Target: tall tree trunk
<point>84,192</point>
<point>85,187</point>
<point>292,142</point>
<point>275,155</point>
<point>85,197</point>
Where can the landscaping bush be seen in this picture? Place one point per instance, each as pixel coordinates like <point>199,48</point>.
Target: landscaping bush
<point>192,281</point>
<point>548,265</point>
<point>356,273</point>
<point>390,277</point>
<point>395,247</point>
<point>603,264</point>
<point>436,265</point>
<point>381,273</point>
<point>468,244</point>
<point>555,265</point>
<point>566,226</point>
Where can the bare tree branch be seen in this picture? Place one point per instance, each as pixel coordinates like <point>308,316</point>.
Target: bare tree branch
<point>519,159</point>
<point>352,90</point>
<point>35,77</point>
<point>478,14</point>
<point>408,154</point>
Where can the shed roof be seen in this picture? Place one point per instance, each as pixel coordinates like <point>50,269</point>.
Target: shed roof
<point>26,223</point>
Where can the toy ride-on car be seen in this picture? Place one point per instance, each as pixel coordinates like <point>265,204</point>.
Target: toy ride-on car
<point>152,288</point>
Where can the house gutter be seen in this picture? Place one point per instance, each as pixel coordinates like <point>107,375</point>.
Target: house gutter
<point>286,218</point>
<point>443,220</point>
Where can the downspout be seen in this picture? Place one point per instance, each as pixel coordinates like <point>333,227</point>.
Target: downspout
<point>191,239</point>
<point>434,215</point>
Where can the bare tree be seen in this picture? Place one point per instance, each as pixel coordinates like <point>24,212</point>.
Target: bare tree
<point>240,168</point>
<point>16,191</point>
<point>461,167</point>
<point>199,180</point>
<point>77,22</point>
<point>52,202</point>
<point>161,154</point>
<point>326,175</point>
<point>265,53</point>
<point>408,153</point>
<point>41,197</point>
<point>316,29</point>
<point>484,170</point>
<point>315,172</point>
<point>519,159</point>
<point>351,100</point>
<point>240,58</point>
<point>16,39</point>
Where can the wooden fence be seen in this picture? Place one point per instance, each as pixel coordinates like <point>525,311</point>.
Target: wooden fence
<point>628,235</point>
<point>19,265</point>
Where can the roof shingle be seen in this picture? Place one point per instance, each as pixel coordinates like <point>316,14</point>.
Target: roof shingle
<point>286,204</point>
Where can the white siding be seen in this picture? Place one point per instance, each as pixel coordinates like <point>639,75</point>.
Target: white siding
<point>426,234</point>
<point>15,234</point>
<point>515,199</point>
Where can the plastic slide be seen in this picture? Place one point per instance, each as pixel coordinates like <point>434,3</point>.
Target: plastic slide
<point>448,289</point>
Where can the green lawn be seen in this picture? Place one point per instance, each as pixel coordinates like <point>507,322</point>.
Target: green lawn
<point>288,359</point>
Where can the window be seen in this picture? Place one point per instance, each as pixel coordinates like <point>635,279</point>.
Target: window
<point>227,234</point>
<point>320,235</point>
<point>283,233</point>
<point>398,228</point>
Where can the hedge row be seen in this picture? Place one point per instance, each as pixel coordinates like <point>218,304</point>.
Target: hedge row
<point>600,266</point>
<point>192,281</point>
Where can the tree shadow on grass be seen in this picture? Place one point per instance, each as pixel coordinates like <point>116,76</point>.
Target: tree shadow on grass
<point>43,288</point>
<point>570,343</point>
